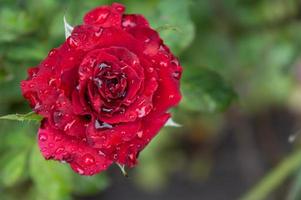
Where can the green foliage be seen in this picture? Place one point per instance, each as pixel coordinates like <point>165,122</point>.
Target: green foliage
<point>87,185</point>
<point>52,181</point>
<point>31,116</point>
<point>176,16</point>
<point>13,167</point>
<point>206,91</point>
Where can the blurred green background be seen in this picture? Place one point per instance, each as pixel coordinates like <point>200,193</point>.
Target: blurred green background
<point>242,102</point>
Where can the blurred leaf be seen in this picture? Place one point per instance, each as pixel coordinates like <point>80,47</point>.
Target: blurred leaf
<point>84,185</point>
<point>53,181</point>
<point>13,23</point>
<point>31,116</point>
<point>205,90</point>
<point>13,167</point>
<point>5,75</point>
<point>171,16</point>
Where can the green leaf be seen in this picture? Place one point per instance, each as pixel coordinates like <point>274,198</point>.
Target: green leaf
<point>13,167</point>
<point>174,23</point>
<point>53,180</point>
<point>206,91</point>
<point>87,185</point>
<point>31,116</point>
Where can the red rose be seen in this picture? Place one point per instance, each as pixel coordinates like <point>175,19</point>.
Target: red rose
<point>105,92</point>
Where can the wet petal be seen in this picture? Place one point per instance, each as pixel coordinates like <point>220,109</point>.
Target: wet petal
<point>83,159</point>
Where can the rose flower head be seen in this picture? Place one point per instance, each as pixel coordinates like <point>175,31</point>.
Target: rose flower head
<point>105,92</point>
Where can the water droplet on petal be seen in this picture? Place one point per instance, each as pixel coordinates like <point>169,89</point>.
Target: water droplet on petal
<point>175,62</point>
<point>140,134</point>
<point>51,145</point>
<point>88,159</point>
<point>51,82</point>
<point>98,82</point>
<point>115,156</point>
<point>78,169</point>
<point>150,69</point>
<point>60,150</point>
<point>107,110</point>
<point>99,32</point>
<point>163,64</point>
<point>99,125</point>
<point>176,75</point>
<point>101,153</point>
<point>103,66</point>
<point>71,42</point>
<point>131,156</point>
<point>69,125</point>
<point>43,137</point>
<point>120,8</point>
<point>58,138</point>
<point>52,52</point>
<point>57,116</point>
<point>141,112</point>
<point>171,96</point>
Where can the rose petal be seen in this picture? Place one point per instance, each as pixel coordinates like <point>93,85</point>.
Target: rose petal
<point>105,16</point>
<point>83,159</point>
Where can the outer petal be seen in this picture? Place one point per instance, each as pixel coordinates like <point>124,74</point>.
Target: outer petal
<point>105,16</point>
<point>150,126</point>
<point>133,20</point>
<point>82,158</point>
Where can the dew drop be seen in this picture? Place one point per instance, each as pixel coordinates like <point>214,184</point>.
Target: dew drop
<point>98,82</point>
<point>99,32</point>
<point>43,137</point>
<point>102,16</point>
<point>60,150</point>
<point>107,110</point>
<point>99,125</point>
<point>141,112</point>
<point>57,116</point>
<point>103,66</point>
<point>118,7</point>
<point>175,62</point>
<point>176,75</point>
<point>101,153</point>
<point>131,156</point>
<point>88,159</point>
<point>128,23</point>
<point>163,64</point>
<point>78,169</point>
<point>58,138</point>
<point>69,125</point>
<point>115,156</point>
<point>52,52</point>
<point>150,69</point>
<point>71,42</point>
<point>140,134</point>
<point>51,82</point>
<point>171,96</point>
